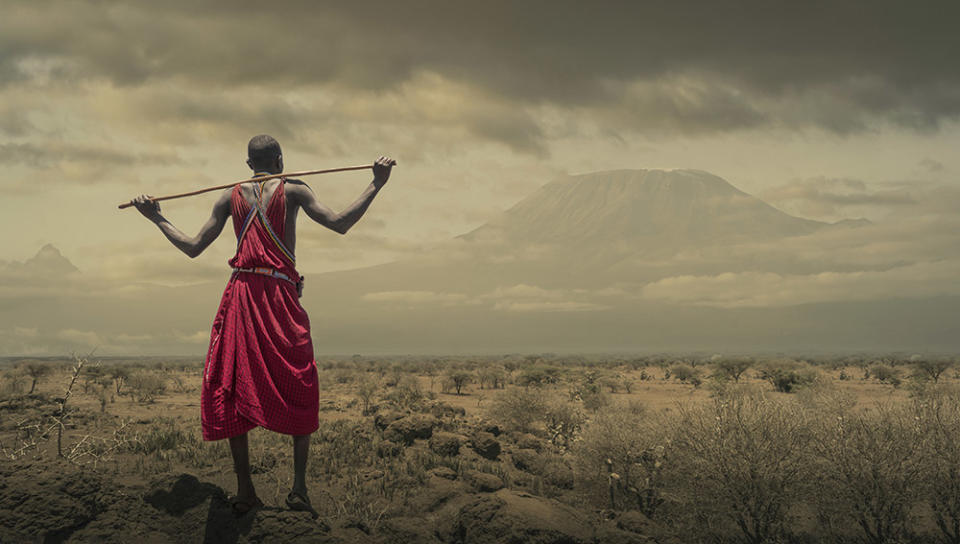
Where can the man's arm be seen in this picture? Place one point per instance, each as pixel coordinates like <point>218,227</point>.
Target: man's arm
<point>208,232</point>
<point>341,222</point>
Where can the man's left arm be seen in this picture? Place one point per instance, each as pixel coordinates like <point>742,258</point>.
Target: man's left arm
<point>191,246</point>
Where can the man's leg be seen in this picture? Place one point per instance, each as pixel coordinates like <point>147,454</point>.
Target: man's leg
<point>301,445</point>
<point>241,465</point>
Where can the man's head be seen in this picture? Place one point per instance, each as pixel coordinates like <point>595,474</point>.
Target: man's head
<point>263,154</point>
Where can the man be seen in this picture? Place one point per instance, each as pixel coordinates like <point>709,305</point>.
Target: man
<point>260,368</point>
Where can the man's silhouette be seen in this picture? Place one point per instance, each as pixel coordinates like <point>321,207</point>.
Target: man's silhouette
<point>260,368</point>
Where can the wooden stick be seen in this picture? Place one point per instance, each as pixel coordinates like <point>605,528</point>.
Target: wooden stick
<point>259,178</point>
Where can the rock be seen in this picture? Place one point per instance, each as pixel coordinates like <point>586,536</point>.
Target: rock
<point>529,442</point>
<point>177,494</point>
<point>491,428</point>
<point>483,481</point>
<point>528,460</point>
<point>506,516</point>
<point>485,445</point>
<point>270,526</point>
<point>406,429</point>
<point>609,534</point>
<point>635,521</point>
<point>384,418</point>
<point>442,409</point>
<point>444,472</point>
<point>405,531</point>
<point>445,443</point>
<point>388,448</point>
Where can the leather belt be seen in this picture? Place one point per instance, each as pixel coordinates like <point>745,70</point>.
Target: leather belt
<point>273,273</point>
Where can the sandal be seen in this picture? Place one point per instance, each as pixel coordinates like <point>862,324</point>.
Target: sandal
<point>241,507</point>
<point>297,501</point>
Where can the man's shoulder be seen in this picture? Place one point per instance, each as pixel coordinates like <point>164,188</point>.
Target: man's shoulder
<point>295,183</point>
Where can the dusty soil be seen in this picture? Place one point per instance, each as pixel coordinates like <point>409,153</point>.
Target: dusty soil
<point>133,469</point>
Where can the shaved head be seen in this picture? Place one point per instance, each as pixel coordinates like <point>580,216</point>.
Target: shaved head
<point>263,152</point>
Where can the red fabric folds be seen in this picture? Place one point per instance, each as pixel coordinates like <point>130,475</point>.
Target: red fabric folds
<point>260,368</point>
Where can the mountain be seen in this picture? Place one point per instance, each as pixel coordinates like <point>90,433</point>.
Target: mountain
<point>599,229</point>
<point>655,209</point>
<point>47,263</point>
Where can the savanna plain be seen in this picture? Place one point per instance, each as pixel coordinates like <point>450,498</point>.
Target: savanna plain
<point>515,448</point>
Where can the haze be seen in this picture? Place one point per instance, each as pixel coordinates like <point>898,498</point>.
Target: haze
<point>572,176</point>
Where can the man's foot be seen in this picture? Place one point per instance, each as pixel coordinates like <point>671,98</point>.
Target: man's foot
<point>242,505</point>
<point>298,500</point>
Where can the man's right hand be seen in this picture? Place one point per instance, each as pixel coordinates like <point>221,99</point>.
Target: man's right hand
<point>147,207</point>
<point>381,170</point>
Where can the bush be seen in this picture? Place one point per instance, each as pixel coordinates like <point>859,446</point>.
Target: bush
<point>620,461</point>
<point>743,459</point>
<point>683,372</point>
<point>787,376</point>
<point>870,470</point>
<point>518,408</point>
<point>563,421</point>
<point>885,373</point>
<point>938,411</point>
<point>146,386</point>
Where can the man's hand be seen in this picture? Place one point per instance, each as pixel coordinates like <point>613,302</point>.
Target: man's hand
<point>149,208</point>
<point>381,170</point>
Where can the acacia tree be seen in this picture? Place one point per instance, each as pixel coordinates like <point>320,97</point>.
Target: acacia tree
<point>36,371</point>
<point>458,378</point>
<point>932,369</point>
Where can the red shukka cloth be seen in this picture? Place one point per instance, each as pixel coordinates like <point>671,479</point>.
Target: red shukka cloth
<point>260,368</point>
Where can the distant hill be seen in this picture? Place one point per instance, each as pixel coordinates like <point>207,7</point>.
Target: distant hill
<point>640,210</point>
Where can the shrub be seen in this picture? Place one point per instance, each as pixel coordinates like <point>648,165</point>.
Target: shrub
<point>620,461</point>
<point>563,421</point>
<point>538,375</point>
<point>938,411</point>
<point>366,389</point>
<point>683,372</point>
<point>787,376</point>
<point>871,471</point>
<point>743,459</point>
<point>518,408</point>
<point>885,373</point>
<point>145,386</point>
<point>14,383</point>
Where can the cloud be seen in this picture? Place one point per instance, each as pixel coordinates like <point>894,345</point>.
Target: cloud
<point>83,338</point>
<point>547,306</point>
<point>415,297</point>
<point>532,298</point>
<point>768,289</point>
<point>728,67</point>
<point>826,197</point>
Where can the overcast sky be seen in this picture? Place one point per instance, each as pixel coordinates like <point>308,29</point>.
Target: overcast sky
<point>827,110</point>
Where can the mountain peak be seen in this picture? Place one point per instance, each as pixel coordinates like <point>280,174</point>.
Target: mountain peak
<point>641,208</point>
<point>49,260</point>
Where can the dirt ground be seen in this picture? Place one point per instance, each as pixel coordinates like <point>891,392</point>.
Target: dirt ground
<point>130,467</point>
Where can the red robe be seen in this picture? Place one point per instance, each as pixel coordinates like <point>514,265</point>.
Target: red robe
<point>260,368</point>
